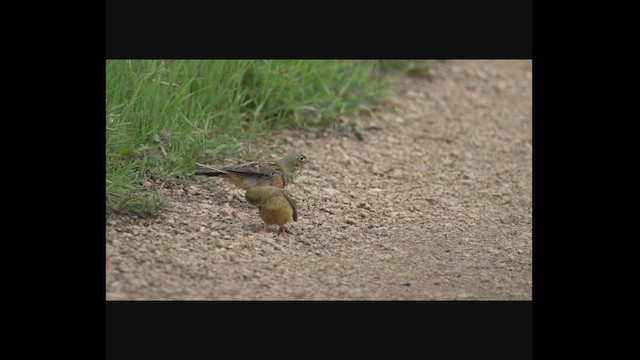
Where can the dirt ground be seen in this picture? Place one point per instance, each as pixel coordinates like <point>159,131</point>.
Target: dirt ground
<point>433,203</point>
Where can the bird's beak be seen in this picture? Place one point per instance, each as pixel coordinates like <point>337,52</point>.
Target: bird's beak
<point>306,161</point>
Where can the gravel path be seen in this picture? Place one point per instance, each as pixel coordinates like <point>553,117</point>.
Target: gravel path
<point>433,203</point>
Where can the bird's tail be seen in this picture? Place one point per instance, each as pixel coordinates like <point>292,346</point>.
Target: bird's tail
<point>209,173</point>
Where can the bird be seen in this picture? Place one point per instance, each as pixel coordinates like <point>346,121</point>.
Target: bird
<point>260,173</point>
<point>274,205</point>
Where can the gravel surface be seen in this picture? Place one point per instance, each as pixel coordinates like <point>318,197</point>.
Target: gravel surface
<point>431,203</point>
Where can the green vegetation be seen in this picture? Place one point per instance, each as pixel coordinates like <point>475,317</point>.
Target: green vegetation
<point>165,115</point>
<point>409,67</point>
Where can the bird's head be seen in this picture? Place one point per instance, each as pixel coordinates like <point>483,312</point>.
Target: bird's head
<point>292,165</point>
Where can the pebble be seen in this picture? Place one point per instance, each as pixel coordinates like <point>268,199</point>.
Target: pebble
<point>302,239</point>
<point>219,243</point>
<point>380,230</point>
<point>331,191</point>
<point>376,170</point>
<point>397,173</point>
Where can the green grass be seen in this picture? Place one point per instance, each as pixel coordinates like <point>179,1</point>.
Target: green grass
<point>165,115</point>
<point>409,67</point>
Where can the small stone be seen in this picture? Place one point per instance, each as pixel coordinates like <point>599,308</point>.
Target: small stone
<point>508,219</point>
<point>363,205</point>
<point>376,170</point>
<point>226,211</point>
<point>396,173</point>
<point>380,229</point>
<point>214,234</point>
<point>331,191</point>
<point>302,239</point>
<point>398,119</point>
<point>219,243</point>
<point>138,282</point>
<point>328,211</point>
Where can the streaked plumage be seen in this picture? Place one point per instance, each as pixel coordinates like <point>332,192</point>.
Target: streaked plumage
<point>260,173</point>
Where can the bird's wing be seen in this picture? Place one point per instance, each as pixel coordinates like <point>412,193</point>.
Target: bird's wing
<point>255,167</point>
<point>252,168</point>
<point>293,205</point>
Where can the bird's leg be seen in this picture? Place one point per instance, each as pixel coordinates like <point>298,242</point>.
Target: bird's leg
<point>282,231</point>
<point>265,228</point>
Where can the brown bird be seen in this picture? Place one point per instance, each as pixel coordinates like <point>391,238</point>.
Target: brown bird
<point>261,173</point>
<point>274,204</point>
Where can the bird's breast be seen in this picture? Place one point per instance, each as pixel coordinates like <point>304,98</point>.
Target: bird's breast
<point>277,211</point>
